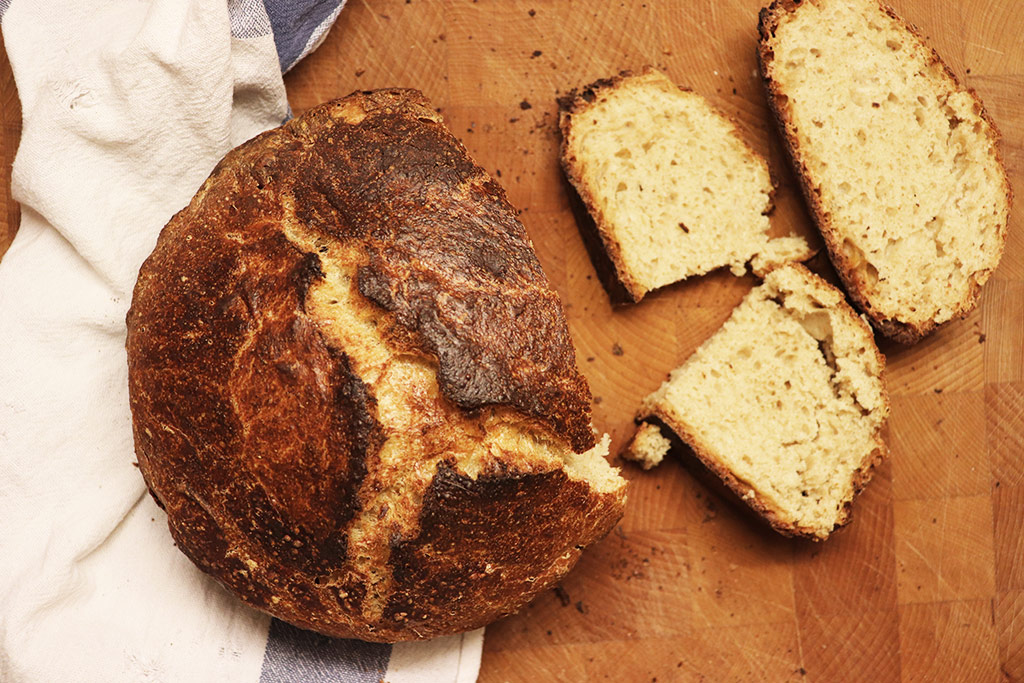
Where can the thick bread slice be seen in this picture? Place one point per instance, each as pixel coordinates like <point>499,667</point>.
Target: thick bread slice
<point>898,162</point>
<point>672,188</point>
<point>785,403</point>
<point>352,387</point>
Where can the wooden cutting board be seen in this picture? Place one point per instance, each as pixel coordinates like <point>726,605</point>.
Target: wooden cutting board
<point>928,581</point>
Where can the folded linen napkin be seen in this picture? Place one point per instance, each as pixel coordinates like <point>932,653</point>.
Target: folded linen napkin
<point>127,107</point>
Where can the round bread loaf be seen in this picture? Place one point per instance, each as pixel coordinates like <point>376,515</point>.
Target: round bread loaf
<point>353,388</point>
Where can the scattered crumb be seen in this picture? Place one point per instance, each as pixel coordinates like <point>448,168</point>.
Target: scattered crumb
<point>710,511</point>
<point>617,350</point>
<point>563,596</point>
<point>524,105</point>
<point>536,53</point>
<point>360,72</point>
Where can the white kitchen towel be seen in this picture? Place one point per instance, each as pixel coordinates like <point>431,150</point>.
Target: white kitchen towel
<point>127,107</point>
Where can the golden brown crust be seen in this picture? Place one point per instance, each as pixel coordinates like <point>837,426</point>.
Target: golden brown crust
<point>254,431</point>
<point>749,496</point>
<point>593,242</point>
<point>463,517</point>
<point>743,490</point>
<point>620,286</point>
<point>902,332</point>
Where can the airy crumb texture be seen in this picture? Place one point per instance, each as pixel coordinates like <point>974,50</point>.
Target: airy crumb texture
<point>648,447</point>
<point>785,402</point>
<point>672,187</point>
<point>898,162</point>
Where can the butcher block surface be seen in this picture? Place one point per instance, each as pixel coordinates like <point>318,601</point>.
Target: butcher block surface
<point>927,582</point>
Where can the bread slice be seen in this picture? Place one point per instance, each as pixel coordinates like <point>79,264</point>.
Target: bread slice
<point>785,403</point>
<point>672,188</point>
<point>898,162</point>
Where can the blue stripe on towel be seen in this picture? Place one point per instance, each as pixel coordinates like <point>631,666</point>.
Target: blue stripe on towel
<point>296,655</point>
<point>294,23</point>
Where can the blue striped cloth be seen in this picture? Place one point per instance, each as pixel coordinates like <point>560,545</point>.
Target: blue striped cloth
<point>296,655</point>
<point>298,26</point>
<point>138,100</point>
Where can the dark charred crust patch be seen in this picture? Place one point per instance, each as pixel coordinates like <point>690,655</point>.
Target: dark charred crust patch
<point>488,545</point>
<point>579,98</point>
<point>308,271</point>
<point>448,258</point>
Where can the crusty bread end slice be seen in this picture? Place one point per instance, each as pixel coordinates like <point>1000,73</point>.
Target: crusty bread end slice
<point>898,162</point>
<point>785,403</point>
<point>673,189</point>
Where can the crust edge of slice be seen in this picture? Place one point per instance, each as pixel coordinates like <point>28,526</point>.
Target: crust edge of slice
<point>746,491</point>
<point>901,332</point>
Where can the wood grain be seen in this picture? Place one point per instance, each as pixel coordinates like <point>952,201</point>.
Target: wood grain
<point>928,581</point>
<point>10,134</point>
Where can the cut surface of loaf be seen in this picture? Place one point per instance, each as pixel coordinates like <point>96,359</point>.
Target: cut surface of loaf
<point>672,188</point>
<point>353,389</point>
<point>898,162</point>
<point>785,402</point>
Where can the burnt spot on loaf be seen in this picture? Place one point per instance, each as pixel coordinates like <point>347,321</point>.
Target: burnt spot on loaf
<point>485,542</point>
<point>307,271</point>
<point>224,361</point>
<point>447,256</point>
